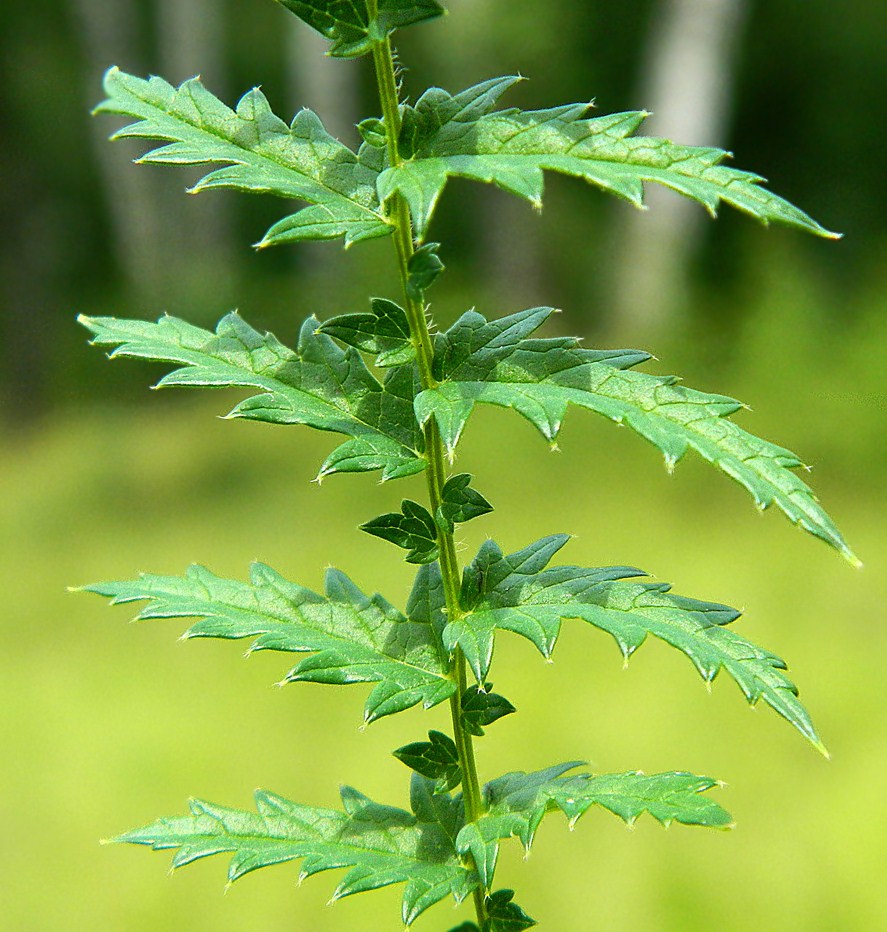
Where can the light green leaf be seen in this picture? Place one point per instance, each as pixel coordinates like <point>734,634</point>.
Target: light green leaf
<point>448,135</point>
<point>354,638</point>
<point>347,25</point>
<point>318,384</point>
<point>494,362</point>
<point>517,593</point>
<point>380,844</point>
<point>517,802</point>
<point>261,154</point>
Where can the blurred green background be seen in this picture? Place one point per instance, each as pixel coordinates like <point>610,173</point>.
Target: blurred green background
<point>109,725</point>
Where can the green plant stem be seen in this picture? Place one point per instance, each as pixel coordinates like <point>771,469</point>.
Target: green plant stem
<point>436,473</point>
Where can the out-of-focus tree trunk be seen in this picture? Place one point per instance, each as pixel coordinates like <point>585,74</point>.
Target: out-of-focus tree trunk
<point>688,82</point>
<point>507,231</point>
<point>189,42</point>
<point>108,34</point>
<point>329,87</point>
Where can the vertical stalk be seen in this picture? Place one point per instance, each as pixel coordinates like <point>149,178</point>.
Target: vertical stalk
<point>436,472</point>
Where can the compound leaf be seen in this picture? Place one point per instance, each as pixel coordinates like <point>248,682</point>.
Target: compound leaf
<point>517,803</point>
<point>380,844</point>
<point>318,384</point>
<point>346,23</point>
<point>353,638</point>
<point>259,152</point>
<point>495,362</point>
<point>446,135</point>
<point>517,593</point>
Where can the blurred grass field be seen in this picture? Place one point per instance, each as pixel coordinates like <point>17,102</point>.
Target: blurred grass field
<point>110,725</point>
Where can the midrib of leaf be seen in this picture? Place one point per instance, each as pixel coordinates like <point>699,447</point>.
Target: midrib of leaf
<point>160,351</point>
<point>258,159</point>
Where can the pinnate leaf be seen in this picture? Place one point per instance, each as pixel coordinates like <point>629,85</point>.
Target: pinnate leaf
<point>497,362</point>
<point>380,844</point>
<point>448,135</point>
<point>259,152</point>
<point>517,593</point>
<point>517,802</point>
<point>384,331</point>
<point>318,384</point>
<point>346,23</point>
<point>353,638</point>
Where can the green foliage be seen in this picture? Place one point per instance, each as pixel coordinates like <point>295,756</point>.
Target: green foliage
<point>446,135</point>
<point>405,424</point>
<point>496,362</point>
<point>517,802</point>
<point>412,528</point>
<point>380,844</point>
<point>317,384</point>
<point>352,28</point>
<point>437,759</point>
<point>517,593</point>
<point>354,638</point>
<point>383,332</point>
<point>480,707</point>
<point>261,154</point>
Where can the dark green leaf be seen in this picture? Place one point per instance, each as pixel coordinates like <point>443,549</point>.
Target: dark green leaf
<point>446,135</point>
<point>380,844</point>
<point>384,331</point>
<point>494,362</point>
<point>460,503</point>
<point>466,927</point>
<point>347,25</point>
<point>372,132</point>
<point>505,915</point>
<point>412,528</point>
<point>425,267</point>
<point>517,802</point>
<point>354,638</point>
<point>437,759</point>
<point>517,593</point>
<point>260,152</point>
<point>318,384</point>
<point>480,708</point>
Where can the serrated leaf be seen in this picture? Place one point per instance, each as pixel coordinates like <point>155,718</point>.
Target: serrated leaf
<point>517,593</point>
<point>353,638</point>
<point>260,154</point>
<point>437,759</point>
<point>460,503</point>
<point>412,528</point>
<point>384,331</point>
<point>480,708</point>
<point>447,135</point>
<point>380,844</point>
<point>517,802</point>
<point>318,384</point>
<point>346,23</point>
<point>505,915</point>
<point>494,362</point>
